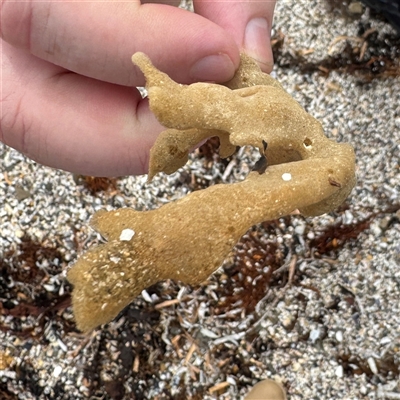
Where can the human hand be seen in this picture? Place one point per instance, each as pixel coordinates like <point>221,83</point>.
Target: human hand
<point>68,95</point>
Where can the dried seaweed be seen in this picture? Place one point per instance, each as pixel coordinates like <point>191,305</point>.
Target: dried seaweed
<point>367,56</point>
<point>335,236</point>
<point>95,184</point>
<point>246,280</point>
<point>22,293</point>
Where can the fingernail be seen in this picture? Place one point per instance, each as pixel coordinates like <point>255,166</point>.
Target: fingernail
<point>215,68</point>
<point>257,42</point>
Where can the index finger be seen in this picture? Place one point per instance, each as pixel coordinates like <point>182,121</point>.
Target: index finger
<point>97,39</point>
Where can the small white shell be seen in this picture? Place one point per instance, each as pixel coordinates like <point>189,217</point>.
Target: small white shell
<point>126,235</point>
<point>286,176</point>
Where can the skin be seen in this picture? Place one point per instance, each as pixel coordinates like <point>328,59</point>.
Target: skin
<point>68,97</point>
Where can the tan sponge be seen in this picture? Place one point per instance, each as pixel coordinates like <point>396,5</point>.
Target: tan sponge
<point>188,239</point>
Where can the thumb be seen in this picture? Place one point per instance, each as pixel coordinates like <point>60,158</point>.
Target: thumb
<point>249,23</point>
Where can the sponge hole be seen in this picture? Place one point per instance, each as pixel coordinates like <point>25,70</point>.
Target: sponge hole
<point>307,143</point>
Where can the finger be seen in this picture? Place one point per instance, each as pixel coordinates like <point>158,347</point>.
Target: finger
<point>174,3</point>
<point>249,22</point>
<point>75,123</point>
<point>97,39</point>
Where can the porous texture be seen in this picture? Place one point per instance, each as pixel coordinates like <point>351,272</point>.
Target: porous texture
<point>308,172</point>
<point>334,333</point>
